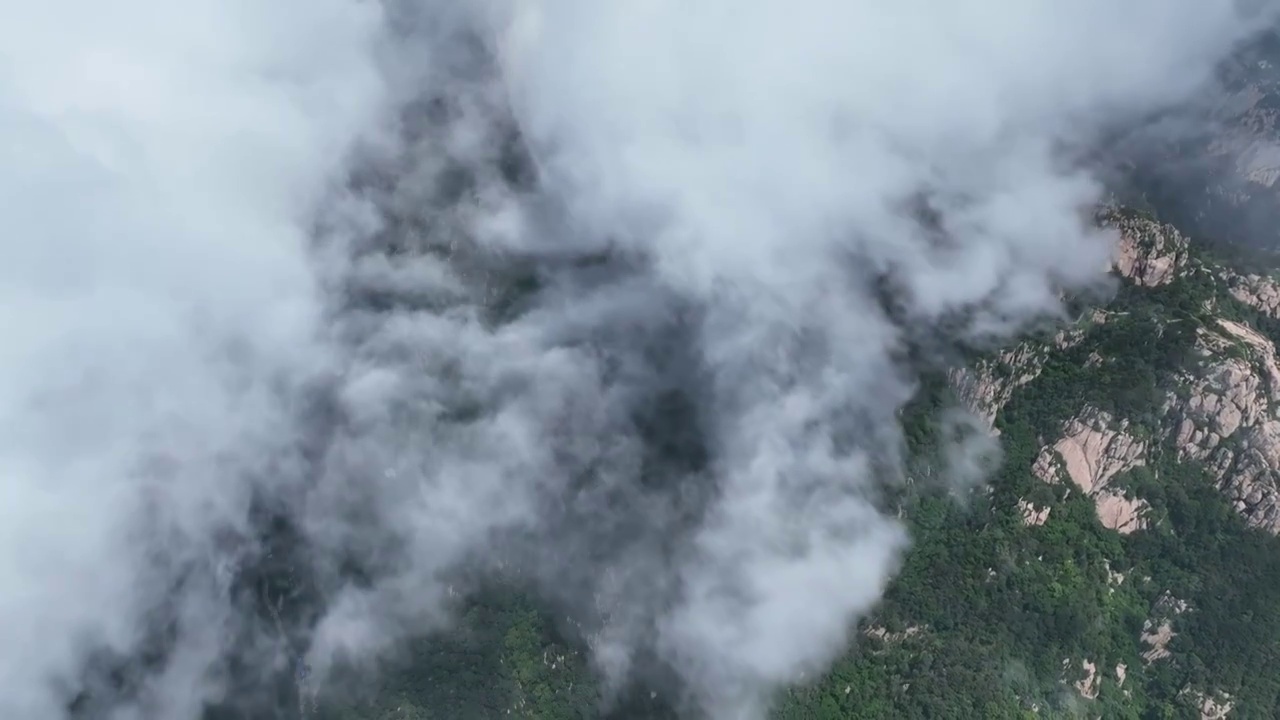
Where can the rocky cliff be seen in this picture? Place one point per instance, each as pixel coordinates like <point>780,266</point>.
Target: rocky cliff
<point>1170,387</point>
<point>1220,409</point>
<point>1093,450</point>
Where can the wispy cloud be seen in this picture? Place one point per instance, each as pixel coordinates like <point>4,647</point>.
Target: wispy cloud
<point>612,298</point>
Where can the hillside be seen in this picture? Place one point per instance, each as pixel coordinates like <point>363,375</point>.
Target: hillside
<point>1122,563</point>
<point>579,360</point>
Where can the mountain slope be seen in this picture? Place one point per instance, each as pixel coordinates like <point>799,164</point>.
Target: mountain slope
<point>1123,562</point>
<point>1139,478</point>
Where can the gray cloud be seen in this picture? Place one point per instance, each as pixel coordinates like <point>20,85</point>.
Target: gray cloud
<point>158,305</point>
<point>613,299</point>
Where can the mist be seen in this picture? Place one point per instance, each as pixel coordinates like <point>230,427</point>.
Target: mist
<point>160,312</point>
<point>617,301</point>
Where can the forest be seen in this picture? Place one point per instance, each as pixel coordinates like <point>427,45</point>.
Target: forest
<point>990,617</point>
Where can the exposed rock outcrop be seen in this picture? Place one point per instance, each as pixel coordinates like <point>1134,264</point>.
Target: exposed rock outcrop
<point>987,387</point>
<point>882,634</point>
<point>1211,707</point>
<point>1114,579</point>
<point>1222,416</point>
<point>1092,451</point>
<point>1120,513</point>
<point>1257,291</point>
<point>1032,515</point>
<point>1215,708</point>
<point>1089,685</point>
<point>1157,637</point>
<point>1263,352</point>
<point>1225,418</point>
<point>1157,631</point>
<point>1252,481</point>
<point>1148,253</point>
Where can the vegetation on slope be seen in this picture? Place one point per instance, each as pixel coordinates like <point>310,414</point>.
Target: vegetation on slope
<point>991,616</point>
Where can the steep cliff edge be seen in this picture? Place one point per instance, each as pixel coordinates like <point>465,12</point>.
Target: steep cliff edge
<point>1220,407</point>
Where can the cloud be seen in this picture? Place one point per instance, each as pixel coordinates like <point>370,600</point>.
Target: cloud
<point>612,299</point>
<point>777,166</point>
<point>160,164</point>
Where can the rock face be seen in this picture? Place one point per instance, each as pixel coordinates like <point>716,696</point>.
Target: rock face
<point>1222,415</point>
<point>883,635</point>
<point>1227,420</point>
<point>1263,352</point>
<point>1157,637</point>
<point>1148,253</point>
<point>1088,685</point>
<point>1095,448</point>
<point>1215,708</point>
<point>1032,515</point>
<point>1211,707</point>
<point>1256,291</point>
<point>987,387</point>
<point>1157,631</point>
<point>1092,451</point>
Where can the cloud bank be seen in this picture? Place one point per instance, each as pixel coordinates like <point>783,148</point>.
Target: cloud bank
<point>620,300</point>
<point>160,311</point>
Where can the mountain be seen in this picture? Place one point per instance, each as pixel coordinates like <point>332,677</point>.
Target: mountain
<point>1213,168</point>
<point>1123,561</point>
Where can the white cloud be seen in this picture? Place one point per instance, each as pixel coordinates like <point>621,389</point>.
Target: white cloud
<point>770,158</point>
<point>760,172</point>
<point>160,162</point>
